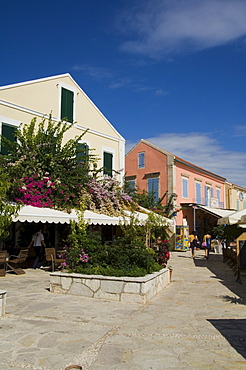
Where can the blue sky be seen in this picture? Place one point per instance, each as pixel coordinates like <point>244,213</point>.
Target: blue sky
<point>169,71</point>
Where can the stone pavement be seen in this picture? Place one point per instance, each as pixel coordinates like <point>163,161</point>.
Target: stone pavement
<point>197,322</point>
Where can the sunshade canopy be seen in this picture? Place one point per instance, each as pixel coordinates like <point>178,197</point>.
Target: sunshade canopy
<point>35,214</point>
<point>233,218</point>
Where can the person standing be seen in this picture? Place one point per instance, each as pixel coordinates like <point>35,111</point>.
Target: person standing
<point>207,244</point>
<point>38,243</point>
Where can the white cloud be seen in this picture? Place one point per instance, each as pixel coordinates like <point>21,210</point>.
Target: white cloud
<point>165,27</point>
<point>240,130</point>
<point>203,151</point>
<point>97,73</point>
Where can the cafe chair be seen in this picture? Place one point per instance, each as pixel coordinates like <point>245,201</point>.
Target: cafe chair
<point>50,255</point>
<point>3,260</point>
<point>14,263</point>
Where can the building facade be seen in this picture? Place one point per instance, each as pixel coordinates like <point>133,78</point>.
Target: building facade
<point>199,195</point>
<point>235,196</point>
<point>63,98</point>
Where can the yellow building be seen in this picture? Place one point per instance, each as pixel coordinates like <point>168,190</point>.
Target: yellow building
<point>62,97</point>
<point>235,196</point>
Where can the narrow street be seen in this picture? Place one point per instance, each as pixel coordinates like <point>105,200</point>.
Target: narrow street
<point>197,322</point>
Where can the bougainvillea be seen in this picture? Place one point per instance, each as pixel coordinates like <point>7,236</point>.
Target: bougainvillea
<point>46,192</point>
<point>106,196</point>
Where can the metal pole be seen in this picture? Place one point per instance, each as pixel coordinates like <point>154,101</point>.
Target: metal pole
<point>194,221</point>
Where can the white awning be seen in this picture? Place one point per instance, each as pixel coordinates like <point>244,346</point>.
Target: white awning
<point>35,214</point>
<point>218,212</point>
<point>243,218</point>
<point>143,216</point>
<point>233,218</point>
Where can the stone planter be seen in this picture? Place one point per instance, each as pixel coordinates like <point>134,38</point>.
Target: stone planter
<point>122,289</point>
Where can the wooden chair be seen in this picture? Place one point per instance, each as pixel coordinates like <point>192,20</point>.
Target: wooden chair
<point>3,259</point>
<point>50,254</point>
<point>13,264</point>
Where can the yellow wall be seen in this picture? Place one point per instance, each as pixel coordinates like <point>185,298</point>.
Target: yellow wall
<point>21,102</point>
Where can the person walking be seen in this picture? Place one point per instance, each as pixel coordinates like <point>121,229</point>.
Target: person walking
<point>207,244</point>
<point>194,243</point>
<point>38,243</point>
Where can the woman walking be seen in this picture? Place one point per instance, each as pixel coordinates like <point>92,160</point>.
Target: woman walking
<point>207,244</point>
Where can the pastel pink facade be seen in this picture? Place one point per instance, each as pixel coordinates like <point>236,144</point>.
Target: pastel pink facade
<point>192,185</point>
<point>203,187</point>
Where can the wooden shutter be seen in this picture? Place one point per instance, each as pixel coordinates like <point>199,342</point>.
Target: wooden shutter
<point>67,105</point>
<point>83,151</point>
<point>198,193</point>
<point>8,133</point>
<point>107,163</point>
<point>153,187</point>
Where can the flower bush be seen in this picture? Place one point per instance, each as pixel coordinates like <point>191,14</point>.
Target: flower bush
<point>74,257</point>
<point>106,196</point>
<point>46,192</point>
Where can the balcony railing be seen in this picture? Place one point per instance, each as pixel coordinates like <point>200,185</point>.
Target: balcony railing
<point>208,203</point>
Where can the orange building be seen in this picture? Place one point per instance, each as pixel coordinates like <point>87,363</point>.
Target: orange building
<point>199,194</point>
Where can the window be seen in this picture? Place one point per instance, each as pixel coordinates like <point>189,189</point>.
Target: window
<point>131,186</point>
<point>238,205</point>
<point>8,131</point>
<point>207,193</point>
<point>82,152</point>
<point>107,163</point>
<point>184,187</point>
<point>141,160</point>
<point>67,100</point>
<point>153,187</point>
<point>198,193</point>
<point>218,194</point>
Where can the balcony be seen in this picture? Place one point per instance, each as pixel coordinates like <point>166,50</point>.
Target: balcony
<point>212,202</point>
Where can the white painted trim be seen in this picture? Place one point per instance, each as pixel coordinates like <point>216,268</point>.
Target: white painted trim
<point>120,140</point>
<point>9,121</point>
<point>106,149</point>
<point>38,114</point>
<point>34,81</point>
<point>57,77</point>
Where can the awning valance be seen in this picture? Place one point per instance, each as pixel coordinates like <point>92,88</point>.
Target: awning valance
<point>35,214</point>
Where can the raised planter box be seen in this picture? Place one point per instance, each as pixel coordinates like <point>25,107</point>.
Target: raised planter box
<point>122,289</point>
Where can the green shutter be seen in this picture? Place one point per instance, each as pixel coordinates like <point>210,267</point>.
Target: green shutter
<point>107,163</point>
<point>9,133</point>
<point>67,105</point>
<point>82,152</point>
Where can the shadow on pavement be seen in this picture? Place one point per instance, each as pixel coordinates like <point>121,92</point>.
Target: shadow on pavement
<point>234,331</point>
<point>226,275</point>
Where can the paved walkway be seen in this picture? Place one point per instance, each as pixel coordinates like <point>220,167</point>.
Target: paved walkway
<point>197,322</point>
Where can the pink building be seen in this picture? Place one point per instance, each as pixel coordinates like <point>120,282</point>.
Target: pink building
<point>199,193</point>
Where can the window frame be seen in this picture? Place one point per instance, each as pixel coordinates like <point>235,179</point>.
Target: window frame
<point>185,180</point>
<point>8,122</point>
<point>198,198</point>
<point>156,193</point>
<point>141,165</point>
<point>61,86</point>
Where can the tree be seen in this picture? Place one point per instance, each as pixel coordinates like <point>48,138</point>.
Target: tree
<point>43,170</point>
<point>7,210</point>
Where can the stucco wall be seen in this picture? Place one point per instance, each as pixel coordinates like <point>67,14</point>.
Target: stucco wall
<point>155,161</point>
